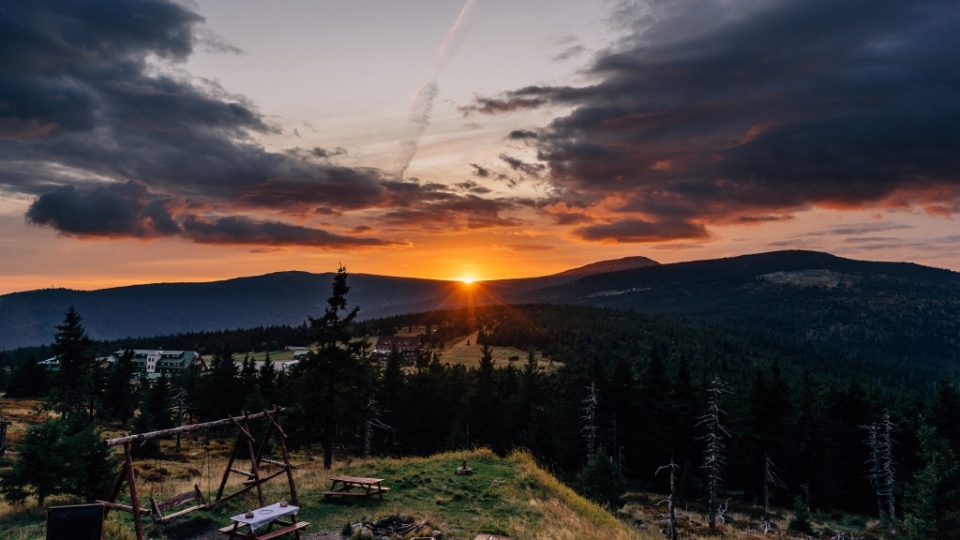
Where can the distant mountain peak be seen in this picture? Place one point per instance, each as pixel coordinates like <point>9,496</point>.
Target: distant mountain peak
<point>602,267</point>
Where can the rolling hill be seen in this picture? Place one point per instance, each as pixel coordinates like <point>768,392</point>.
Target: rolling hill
<point>897,311</point>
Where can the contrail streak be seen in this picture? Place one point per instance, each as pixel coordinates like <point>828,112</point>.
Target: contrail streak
<point>422,103</point>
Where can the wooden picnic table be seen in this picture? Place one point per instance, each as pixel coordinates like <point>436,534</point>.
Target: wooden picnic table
<point>364,486</point>
<point>267,516</point>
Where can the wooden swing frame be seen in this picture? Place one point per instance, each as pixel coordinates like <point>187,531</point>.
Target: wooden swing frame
<point>245,441</point>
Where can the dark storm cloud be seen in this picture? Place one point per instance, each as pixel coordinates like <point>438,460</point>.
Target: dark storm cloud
<point>473,187</point>
<point>762,219</point>
<point>499,106</point>
<point>105,140</point>
<point>113,210</point>
<point>454,213</point>
<point>854,229</point>
<point>713,111</point>
<point>522,134</point>
<point>636,230</point>
<point>570,52</point>
<point>318,152</point>
<point>242,230</point>
<point>528,248</point>
<point>531,169</point>
<point>480,171</point>
<point>127,210</point>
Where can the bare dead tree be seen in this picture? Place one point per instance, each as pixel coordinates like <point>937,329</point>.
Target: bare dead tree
<point>373,421</point>
<point>881,465</point>
<point>3,436</point>
<point>714,453</point>
<point>672,534</point>
<point>589,420</point>
<point>618,457</point>
<point>180,400</point>
<point>770,481</point>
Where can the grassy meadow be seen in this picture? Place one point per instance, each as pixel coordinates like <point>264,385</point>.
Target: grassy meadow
<point>511,496</point>
<point>505,495</point>
<point>463,351</point>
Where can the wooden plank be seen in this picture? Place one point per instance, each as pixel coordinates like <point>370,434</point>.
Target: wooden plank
<point>183,512</point>
<point>347,493</point>
<point>357,479</point>
<point>264,479</point>
<point>285,530</point>
<point>179,500</point>
<point>124,507</point>
<point>245,473</point>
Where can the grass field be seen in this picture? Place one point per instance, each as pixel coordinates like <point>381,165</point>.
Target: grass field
<point>505,495</point>
<point>465,351</point>
<point>508,495</point>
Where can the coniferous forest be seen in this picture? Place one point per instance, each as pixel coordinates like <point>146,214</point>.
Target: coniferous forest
<point>594,382</point>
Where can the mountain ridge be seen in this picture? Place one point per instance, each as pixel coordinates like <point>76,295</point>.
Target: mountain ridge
<point>898,310</point>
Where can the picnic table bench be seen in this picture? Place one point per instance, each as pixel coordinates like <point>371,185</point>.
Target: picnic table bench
<point>269,516</point>
<point>364,487</point>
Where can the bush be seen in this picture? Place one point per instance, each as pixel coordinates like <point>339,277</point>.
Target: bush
<point>801,521</point>
<point>59,457</point>
<point>601,481</point>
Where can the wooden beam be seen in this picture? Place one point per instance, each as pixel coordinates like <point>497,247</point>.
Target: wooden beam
<point>183,429</point>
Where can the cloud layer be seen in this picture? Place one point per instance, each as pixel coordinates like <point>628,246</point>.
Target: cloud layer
<point>97,124</point>
<point>714,112</point>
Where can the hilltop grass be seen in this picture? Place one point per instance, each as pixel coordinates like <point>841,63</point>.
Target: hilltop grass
<point>510,496</point>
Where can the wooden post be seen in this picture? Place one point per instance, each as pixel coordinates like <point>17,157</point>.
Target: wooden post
<point>3,436</point>
<point>134,496</point>
<point>254,469</point>
<point>226,473</point>
<point>282,437</point>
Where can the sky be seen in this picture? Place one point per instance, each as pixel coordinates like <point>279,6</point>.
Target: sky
<point>155,140</point>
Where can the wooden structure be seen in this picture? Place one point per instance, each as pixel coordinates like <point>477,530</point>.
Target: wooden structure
<point>366,487</point>
<point>173,502</point>
<point>3,436</point>
<point>268,516</point>
<point>245,442</point>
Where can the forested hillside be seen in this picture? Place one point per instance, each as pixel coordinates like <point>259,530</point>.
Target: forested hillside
<point>874,311</point>
<point>804,407</point>
<point>894,312</point>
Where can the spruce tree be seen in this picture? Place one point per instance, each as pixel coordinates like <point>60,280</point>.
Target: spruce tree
<point>59,457</point>
<point>337,378</point>
<point>119,398</point>
<point>40,469</point>
<point>28,380</point>
<point>74,349</point>
<point>600,481</point>
<point>267,380</point>
<point>221,395</point>
<point>156,401</point>
<point>932,507</point>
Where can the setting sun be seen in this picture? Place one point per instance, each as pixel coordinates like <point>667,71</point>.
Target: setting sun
<point>467,280</point>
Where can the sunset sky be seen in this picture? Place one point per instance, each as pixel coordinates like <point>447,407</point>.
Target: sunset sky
<point>152,140</point>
